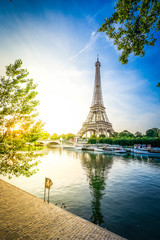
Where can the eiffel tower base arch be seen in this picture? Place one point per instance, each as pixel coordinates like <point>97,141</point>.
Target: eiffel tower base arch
<point>87,130</point>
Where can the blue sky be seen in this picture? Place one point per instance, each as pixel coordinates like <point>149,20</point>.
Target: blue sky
<point>58,43</point>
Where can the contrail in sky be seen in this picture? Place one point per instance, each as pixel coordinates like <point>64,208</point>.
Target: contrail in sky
<point>92,39</point>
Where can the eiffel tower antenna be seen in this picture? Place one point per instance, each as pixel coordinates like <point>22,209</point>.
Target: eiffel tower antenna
<point>97,121</point>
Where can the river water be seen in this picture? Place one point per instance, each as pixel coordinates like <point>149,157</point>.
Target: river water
<point>119,193</point>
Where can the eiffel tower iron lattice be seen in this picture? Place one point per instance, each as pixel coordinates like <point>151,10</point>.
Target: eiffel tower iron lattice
<point>97,121</point>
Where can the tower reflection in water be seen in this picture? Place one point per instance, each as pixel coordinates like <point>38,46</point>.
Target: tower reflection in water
<point>97,167</point>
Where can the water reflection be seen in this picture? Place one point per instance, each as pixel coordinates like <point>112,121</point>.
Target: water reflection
<point>154,161</point>
<point>97,167</point>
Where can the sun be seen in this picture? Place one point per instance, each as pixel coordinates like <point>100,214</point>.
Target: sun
<point>16,127</point>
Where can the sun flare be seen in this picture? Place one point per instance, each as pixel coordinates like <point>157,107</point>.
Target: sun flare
<point>16,127</point>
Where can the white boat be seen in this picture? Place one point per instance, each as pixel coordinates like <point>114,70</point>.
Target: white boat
<point>120,150</point>
<point>98,149</point>
<point>78,147</point>
<point>114,149</point>
<point>88,148</point>
<point>108,150</point>
<point>72,147</point>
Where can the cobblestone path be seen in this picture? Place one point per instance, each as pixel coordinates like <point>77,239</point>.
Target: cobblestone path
<point>24,216</point>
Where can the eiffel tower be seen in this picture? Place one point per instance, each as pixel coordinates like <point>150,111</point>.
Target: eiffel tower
<point>97,121</point>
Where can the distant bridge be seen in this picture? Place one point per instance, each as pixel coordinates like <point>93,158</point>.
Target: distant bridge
<point>55,142</point>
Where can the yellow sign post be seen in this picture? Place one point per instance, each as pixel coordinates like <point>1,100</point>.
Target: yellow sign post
<point>48,184</point>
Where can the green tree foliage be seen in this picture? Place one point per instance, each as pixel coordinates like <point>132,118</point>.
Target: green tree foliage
<point>94,136</point>
<point>54,136</point>
<point>126,134</point>
<point>115,134</point>
<point>152,132</point>
<point>125,138</point>
<point>18,128</point>
<point>45,135</point>
<point>63,136</point>
<point>102,136</point>
<point>70,136</point>
<point>155,142</point>
<point>93,139</point>
<point>67,136</point>
<point>133,25</point>
<point>138,134</point>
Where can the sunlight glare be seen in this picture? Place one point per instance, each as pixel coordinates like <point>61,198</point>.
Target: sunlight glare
<point>16,127</point>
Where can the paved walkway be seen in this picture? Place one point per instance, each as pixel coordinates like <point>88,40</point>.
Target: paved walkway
<point>23,216</point>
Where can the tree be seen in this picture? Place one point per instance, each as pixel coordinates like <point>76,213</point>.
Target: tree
<point>18,128</point>
<point>133,26</point>
<point>93,139</point>
<point>115,134</point>
<point>63,136</point>
<point>102,136</point>
<point>93,136</point>
<point>138,134</point>
<point>126,134</point>
<point>70,136</point>
<point>45,135</point>
<point>67,136</point>
<point>54,136</point>
<point>153,132</point>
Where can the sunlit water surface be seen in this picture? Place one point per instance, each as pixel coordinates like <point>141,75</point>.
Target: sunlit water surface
<point>119,193</point>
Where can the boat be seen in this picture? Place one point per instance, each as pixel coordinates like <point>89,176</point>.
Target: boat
<point>108,150</point>
<point>129,150</point>
<point>98,149</point>
<point>72,147</point>
<point>88,148</point>
<point>140,151</point>
<point>78,147</point>
<point>114,149</point>
<point>155,152</point>
<point>120,150</point>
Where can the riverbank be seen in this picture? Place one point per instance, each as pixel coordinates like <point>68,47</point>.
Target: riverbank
<point>24,216</point>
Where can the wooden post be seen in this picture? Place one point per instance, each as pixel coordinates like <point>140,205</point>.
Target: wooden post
<point>44,193</point>
<point>48,195</point>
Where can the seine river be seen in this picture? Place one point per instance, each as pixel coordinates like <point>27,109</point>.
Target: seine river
<point>119,193</point>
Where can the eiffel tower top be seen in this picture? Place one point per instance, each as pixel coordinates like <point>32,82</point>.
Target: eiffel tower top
<point>97,94</point>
